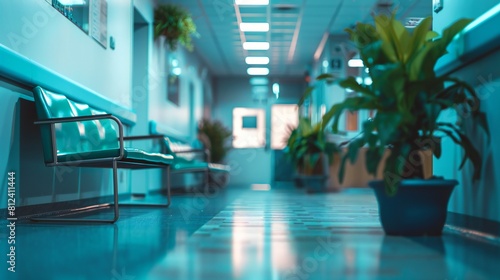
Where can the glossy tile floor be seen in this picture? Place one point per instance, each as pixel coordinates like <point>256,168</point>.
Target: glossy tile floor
<point>240,233</point>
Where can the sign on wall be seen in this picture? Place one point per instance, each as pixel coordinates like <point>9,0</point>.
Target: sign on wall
<point>99,21</point>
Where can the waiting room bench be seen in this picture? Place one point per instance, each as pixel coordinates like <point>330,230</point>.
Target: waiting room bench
<point>74,134</point>
<point>190,160</point>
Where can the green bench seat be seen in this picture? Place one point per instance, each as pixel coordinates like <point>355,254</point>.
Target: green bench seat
<point>74,134</point>
<point>188,159</point>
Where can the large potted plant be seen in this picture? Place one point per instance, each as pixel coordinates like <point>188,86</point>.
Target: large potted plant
<point>408,98</point>
<point>310,153</point>
<point>176,24</point>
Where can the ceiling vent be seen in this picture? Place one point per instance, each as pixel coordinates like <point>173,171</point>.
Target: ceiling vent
<point>285,8</point>
<point>383,7</point>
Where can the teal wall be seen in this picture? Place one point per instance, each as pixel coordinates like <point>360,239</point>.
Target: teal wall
<point>481,198</point>
<point>33,29</point>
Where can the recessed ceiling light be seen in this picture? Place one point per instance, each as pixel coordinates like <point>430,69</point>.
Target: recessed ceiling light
<point>254,26</point>
<point>355,62</point>
<point>255,81</point>
<point>258,71</point>
<point>256,46</point>
<point>252,2</point>
<point>257,60</point>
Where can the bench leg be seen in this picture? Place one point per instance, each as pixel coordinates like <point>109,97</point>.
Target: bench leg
<point>155,204</point>
<point>82,210</point>
<point>207,181</point>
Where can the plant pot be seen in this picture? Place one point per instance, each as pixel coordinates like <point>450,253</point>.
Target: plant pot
<point>418,208</point>
<point>297,180</point>
<point>314,179</point>
<point>314,183</point>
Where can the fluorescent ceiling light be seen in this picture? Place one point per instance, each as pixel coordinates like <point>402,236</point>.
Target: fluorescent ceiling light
<point>257,60</point>
<point>72,2</point>
<point>260,89</point>
<point>252,2</point>
<point>254,26</point>
<point>257,46</point>
<point>257,71</point>
<point>256,81</point>
<point>355,62</point>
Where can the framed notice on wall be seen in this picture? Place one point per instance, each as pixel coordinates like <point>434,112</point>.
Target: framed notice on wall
<point>99,21</point>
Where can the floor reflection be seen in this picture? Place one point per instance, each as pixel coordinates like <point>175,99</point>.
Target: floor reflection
<point>248,234</point>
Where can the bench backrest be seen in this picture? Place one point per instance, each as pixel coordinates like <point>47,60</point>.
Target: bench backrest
<point>173,144</point>
<point>180,150</point>
<point>72,137</point>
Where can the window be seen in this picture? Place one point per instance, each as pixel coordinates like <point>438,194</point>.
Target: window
<point>249,128</point>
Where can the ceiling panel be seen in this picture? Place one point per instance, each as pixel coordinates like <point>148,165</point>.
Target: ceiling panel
<point>296,29</point>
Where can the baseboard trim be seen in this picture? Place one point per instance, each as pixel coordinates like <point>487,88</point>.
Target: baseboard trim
<point>473,227</point>
<point>60,208</point>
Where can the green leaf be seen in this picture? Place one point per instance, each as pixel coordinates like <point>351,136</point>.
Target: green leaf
<point>472,154</point>
<point>419,37</point>
<point>390,93</point>
<point>354,147</point>
<point>327,76</point>
<point>351,83</point>
<point>451,31</point>
<point>385,30</point>
<point>305,95</point>
<point>342,168</point>
<point>373,158</point>
<point>431,35</point>
<point>437,150</point>
<point>387,124</point>
<point>470,151</point>
<point>394,165</point>
<point>401,37</point>
<point>313,160</point>
<point>351,104</point>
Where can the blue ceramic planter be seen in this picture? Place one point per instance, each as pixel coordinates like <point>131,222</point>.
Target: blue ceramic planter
<point>418,208</point>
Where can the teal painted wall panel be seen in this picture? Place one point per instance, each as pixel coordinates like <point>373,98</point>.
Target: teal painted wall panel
<point>480,198</point>
<point>37,31</point>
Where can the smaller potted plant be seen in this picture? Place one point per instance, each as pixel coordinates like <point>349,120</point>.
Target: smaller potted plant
<point>176,24</point>
<point>310,152</point>
<point>217,139</point>
<point>408,97</point>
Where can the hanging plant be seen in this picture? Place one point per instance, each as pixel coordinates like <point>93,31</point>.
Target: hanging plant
<point>176,24</point>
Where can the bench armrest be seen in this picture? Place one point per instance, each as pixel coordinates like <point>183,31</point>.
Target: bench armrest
<point>53,121</point>
<point>190,151</point>
<point>143,137</point>
<point>206,153</point>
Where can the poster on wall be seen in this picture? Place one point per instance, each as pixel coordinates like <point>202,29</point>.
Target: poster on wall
<point>77,11</point>
<point>99,21</point>
<point>173,88</point>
